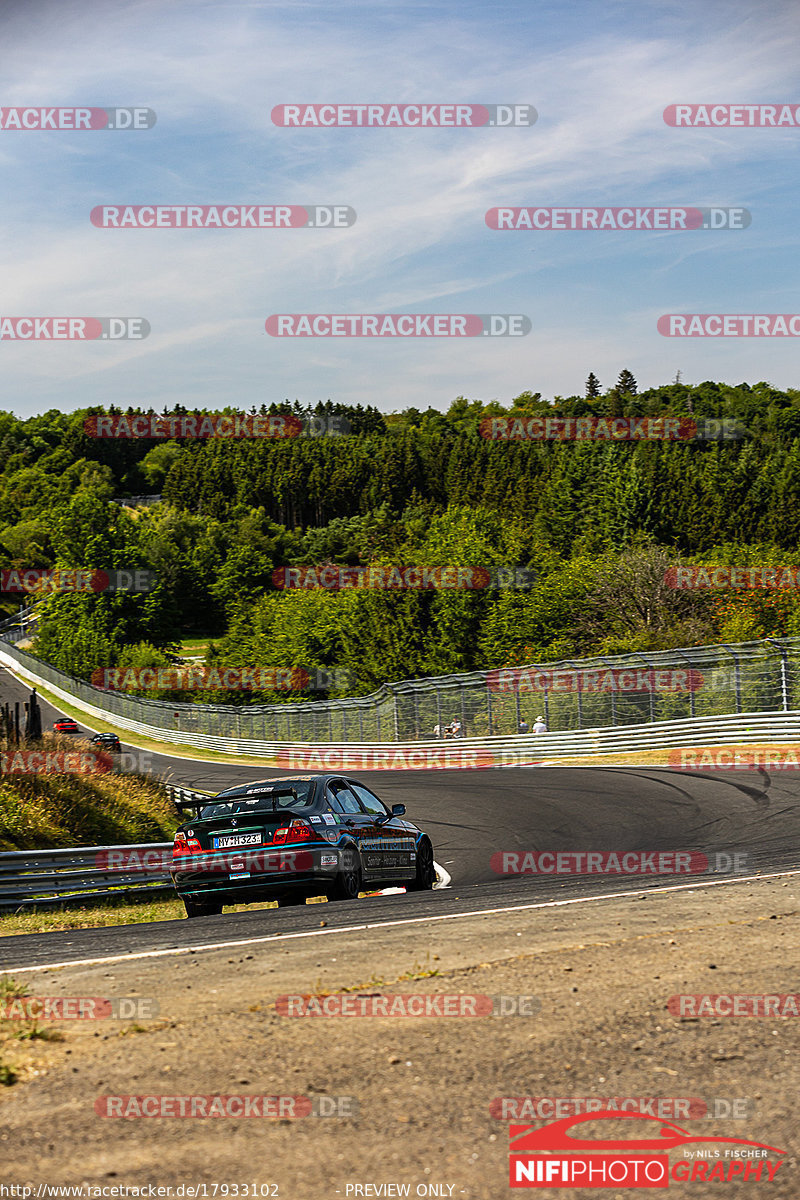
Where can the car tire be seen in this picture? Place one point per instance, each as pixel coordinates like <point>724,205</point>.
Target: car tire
<point>425,877</point>
<point>202,908</point>
<point>348,881</point>
<point>290,900</point>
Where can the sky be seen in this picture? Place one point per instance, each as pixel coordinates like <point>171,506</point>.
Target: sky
<point>599,76</point>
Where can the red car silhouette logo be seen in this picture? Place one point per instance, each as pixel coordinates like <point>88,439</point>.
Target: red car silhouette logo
<point>527,1139</point>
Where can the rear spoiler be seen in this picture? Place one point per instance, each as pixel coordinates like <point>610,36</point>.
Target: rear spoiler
<point>186,798</point>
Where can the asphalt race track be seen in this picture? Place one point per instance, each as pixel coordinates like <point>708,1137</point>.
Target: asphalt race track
<point>471,815</point>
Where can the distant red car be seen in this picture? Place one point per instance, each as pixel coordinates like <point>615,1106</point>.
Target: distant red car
<point>67,725</point>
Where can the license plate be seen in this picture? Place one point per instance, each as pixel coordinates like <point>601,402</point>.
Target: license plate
<point>237,839</point>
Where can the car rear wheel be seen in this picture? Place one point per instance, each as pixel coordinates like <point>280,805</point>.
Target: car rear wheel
<point>425,877</point>
<point>348,881</point>
<point>202,908</point>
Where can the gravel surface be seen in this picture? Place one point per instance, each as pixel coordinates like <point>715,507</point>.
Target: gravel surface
<point>602,974</point>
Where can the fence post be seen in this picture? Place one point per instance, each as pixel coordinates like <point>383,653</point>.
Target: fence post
<point>737,675</point>
<point>686,658</point>
<point>784,672</point>
<point>651,691</point>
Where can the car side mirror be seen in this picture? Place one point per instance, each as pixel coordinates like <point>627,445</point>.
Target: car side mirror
<point>398,810</point>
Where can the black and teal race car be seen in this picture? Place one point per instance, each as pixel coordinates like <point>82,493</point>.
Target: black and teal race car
<point>288,839</point>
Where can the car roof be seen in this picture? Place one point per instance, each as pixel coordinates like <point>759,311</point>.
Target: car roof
<point>268,785</point>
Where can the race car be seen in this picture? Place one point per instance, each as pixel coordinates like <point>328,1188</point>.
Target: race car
<point>65,725</point>
<point>107,741</point>
<point>288,839</point>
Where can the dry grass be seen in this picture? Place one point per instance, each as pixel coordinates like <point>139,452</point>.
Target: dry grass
<point>109,912</point>
<point>40,812</point>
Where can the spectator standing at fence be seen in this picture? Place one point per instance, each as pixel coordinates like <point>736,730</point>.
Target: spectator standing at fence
<point>523,726</point>
<point>539,726</point>
<point>456,729</point>
<point>437,731</point>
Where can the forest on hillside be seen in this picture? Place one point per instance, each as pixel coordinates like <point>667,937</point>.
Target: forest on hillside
<point>592,525</point>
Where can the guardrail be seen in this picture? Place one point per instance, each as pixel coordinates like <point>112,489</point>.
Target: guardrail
<point>51,877</point>
<point>40,878</point>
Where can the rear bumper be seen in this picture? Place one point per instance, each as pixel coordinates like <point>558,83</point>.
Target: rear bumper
<point>259,874</point>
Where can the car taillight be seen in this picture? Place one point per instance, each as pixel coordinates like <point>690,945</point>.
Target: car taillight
<point>297,831</point>
<point>183,845</point>
<point>180,846</point>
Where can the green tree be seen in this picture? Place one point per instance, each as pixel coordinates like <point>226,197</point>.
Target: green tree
<point>592,386</point>
<point>626,383</point>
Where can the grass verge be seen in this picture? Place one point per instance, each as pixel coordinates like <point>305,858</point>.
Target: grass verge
<point>106,913</point>
<point>42,812</point>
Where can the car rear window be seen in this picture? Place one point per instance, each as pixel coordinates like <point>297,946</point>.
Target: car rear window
<point>261,800</point>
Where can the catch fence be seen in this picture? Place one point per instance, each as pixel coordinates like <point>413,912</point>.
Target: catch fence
<point>570,696</point>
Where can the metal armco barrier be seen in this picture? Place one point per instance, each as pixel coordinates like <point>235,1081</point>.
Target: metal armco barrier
<point>50,877</point>
<point>183,797</point>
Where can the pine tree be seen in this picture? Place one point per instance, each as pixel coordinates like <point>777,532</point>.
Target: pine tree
<point>626,384</point>
<point>592,386</point>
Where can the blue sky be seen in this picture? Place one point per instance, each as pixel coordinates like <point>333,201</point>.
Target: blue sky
<point>599,75</point>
